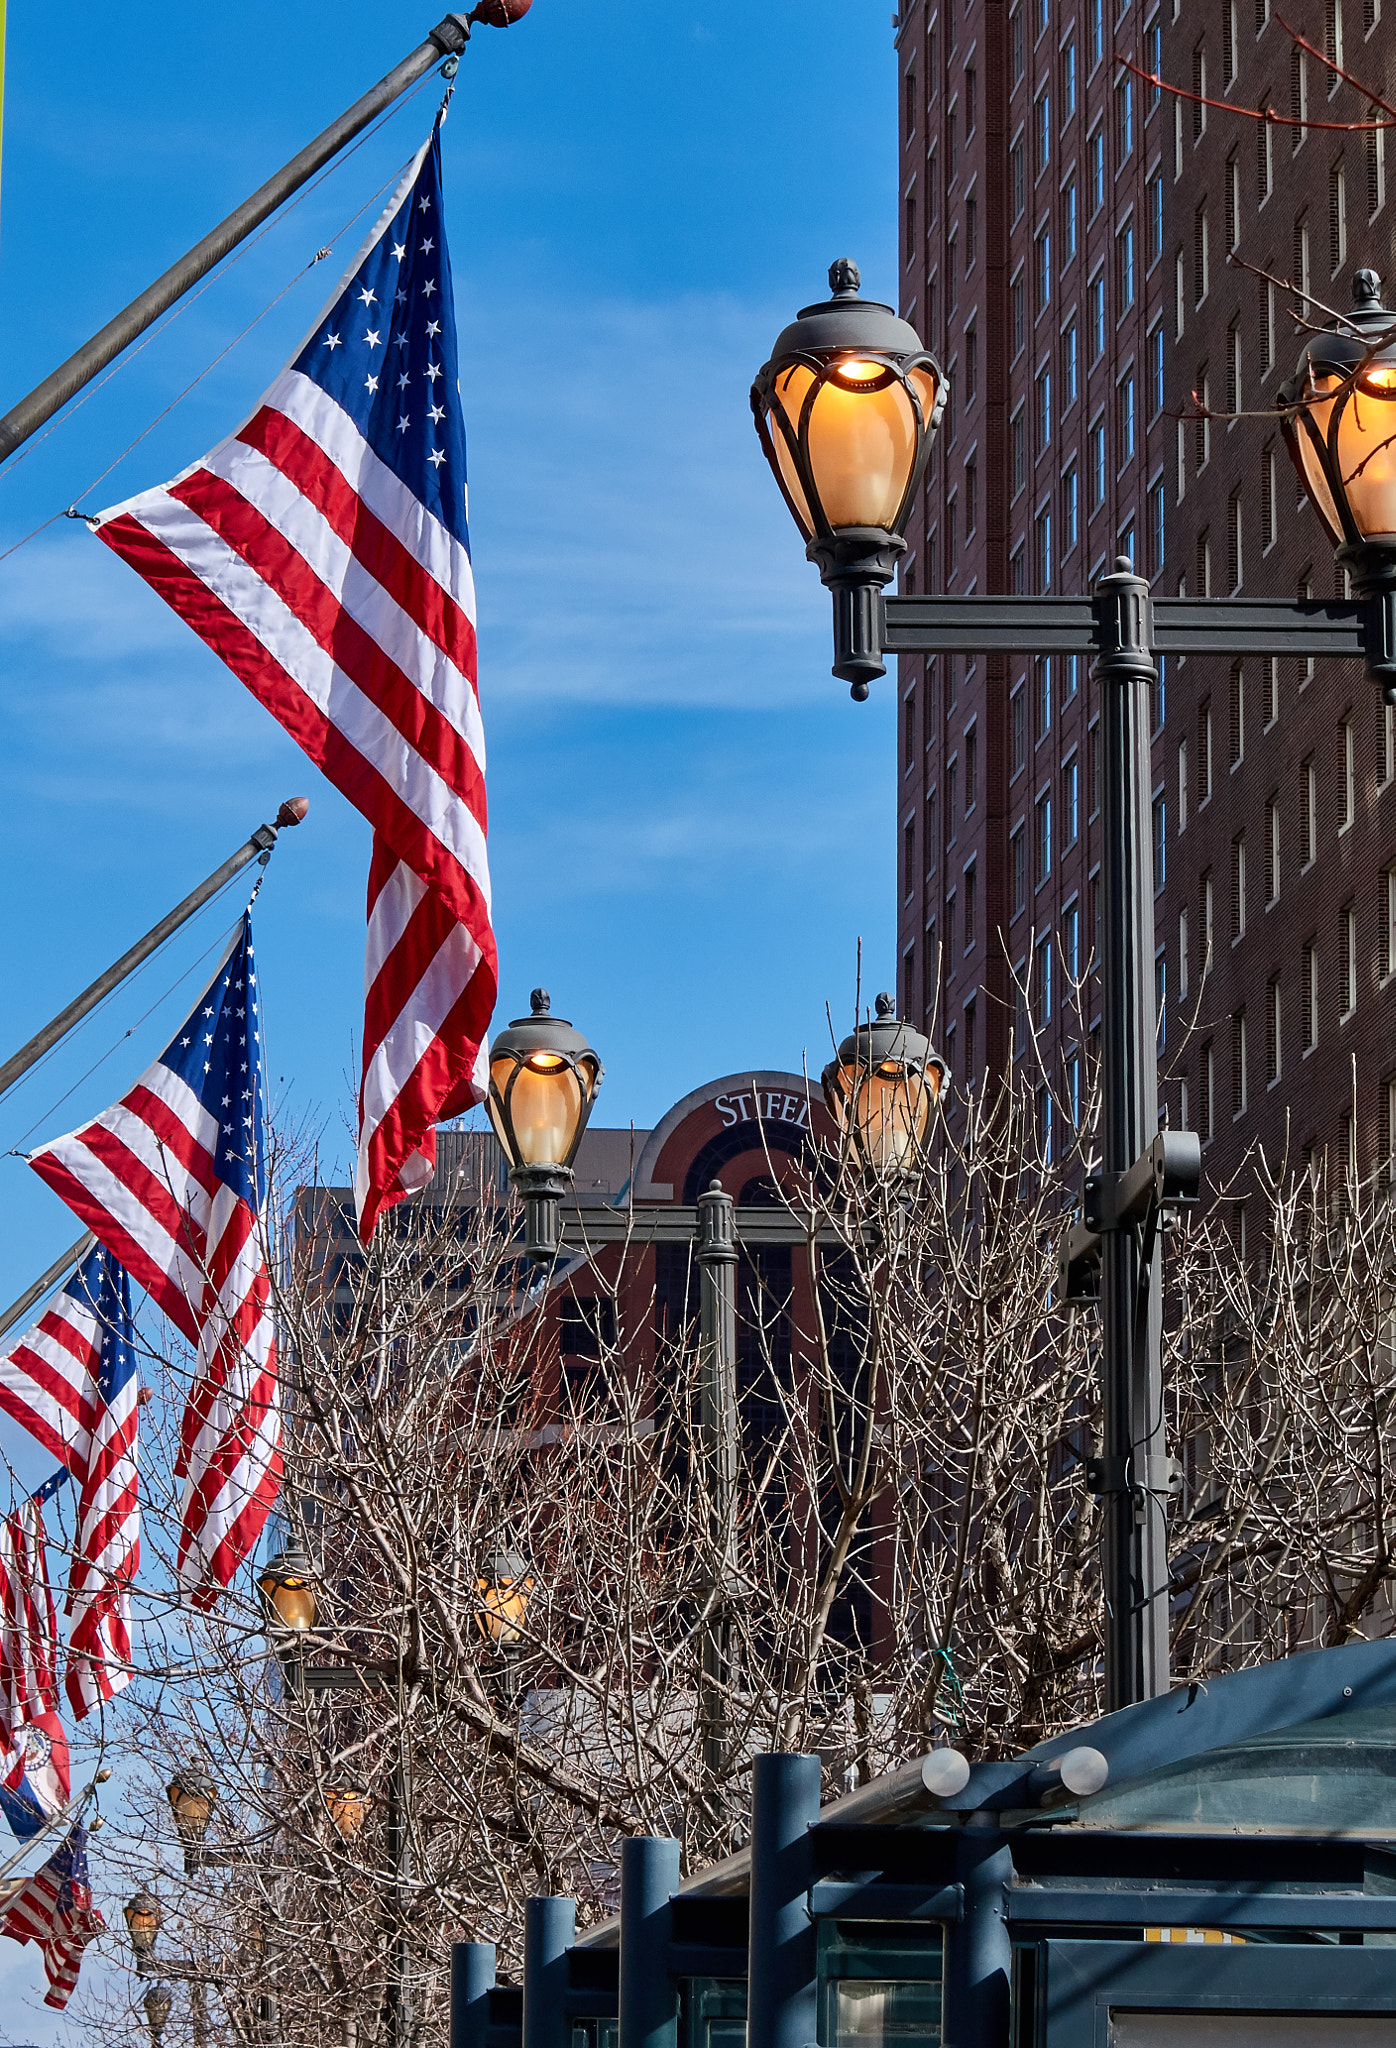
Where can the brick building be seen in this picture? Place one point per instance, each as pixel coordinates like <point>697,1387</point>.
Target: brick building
<point>1064,239</point>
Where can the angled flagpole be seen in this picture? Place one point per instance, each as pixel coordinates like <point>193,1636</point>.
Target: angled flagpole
<point>259,846</point>
<point>74,1256</point>
<point>447,39</point>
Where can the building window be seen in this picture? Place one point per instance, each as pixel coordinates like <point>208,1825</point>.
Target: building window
<point>1155,215</point>
<point>1238,887</point>
<point>1017,574</point>
<point>1203,563</point>
<point>1308,989</point>
<point>1232,206</point>
<point>952,787</point>
<point>1264,157</point>
<point>1018,181</point>
<point>1124,399</point>
<point>1093,787</point>
<point>1043,814</point>
<point>1042,679</point>
<point>1124,266</point>
<point>1071,674</point>
<point>1238,1063</point>
<point>1042,255</point>
<point>1272,848</point>
<point>1204,751</point>
<point>1233,369</point>
<point>971,363</point>
<point>1274,1044</point>
<point>1157,527</point>
<point>1071,939</point>
<point>1096,448</point>
<point>1042,978</point>
<point>908,858</point>
<point>1044,410</point>
<point>1200,261</point>
<point>1042,129</point>
<point>971,906</point>
<point>1347,960</point>
<point>1020,871</point>
<point>1267,497</point>
<point>1069,219</point>
<point>1018,308</point>
<point>1095,170</point>
<point>1376,163</point>
<point>1182,787</point>
<point>1071,522</point>
<point>911,248</point>
<point>971,497</point>
<point>1071,801</point>
<point>1019,725</point>
<point>1237,720</point>
<point>1270,678</point>
<point>1205,931</point>
<point>932,832</point>
<point>1042,529</point>
<point>1183,955</point>
<point>1015,45</point>
<point>1298,95</point>
<point>1308,812</point>
<point>1206,1095</point>
<point>1337,218</point>
<point>1018,438</point>
<point>971,232</point>
<point>1347,774</point>
<point>1073,1088</point>
<point>971,99</point>
<point>1199,92</point>
<point>1160,821</point>
<point>1161,998</point>
<point>971,768</point>
<point>1299,276</point>
<point>1154,350</point>
<point>1097,29</point>
<point>1070,374</point>
<point>1067,65</point>
<point>1124,120</point>
<point>1095,314</point>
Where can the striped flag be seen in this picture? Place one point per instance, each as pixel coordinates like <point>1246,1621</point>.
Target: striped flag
<point>54,1908</point>
<point>72,1382</point>
<point>323,553</point>
<point>34,1775</point>
<point>172,1180</point>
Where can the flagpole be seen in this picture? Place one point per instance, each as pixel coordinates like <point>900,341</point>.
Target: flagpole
<point>18,1310</point>
<point>447,39</point>
<point>258,846</point>
<point>55,1821</point>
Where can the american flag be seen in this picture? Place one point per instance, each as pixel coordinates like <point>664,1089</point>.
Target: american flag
<point>72,1382</point>
<point>28,1657</point>
<point>323,553</point>
<point>54,1908</point>
<point>172,1180</point>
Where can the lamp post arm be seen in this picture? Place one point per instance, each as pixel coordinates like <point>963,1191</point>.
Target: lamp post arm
<point>24,419</point>
<point>258,847</point>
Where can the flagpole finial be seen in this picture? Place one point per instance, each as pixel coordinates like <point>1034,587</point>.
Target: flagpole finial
<point>499,13</point>
<point>292,812</point>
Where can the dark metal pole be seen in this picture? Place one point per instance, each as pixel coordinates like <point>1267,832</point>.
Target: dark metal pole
<point>717,1406</point>
<point>258,846</point>
<point>550,1928</point>
<point>1134,1551</point>
<point>472,1980</point>
<point>979,1950</point>
<point>399,1856</point>
<point>74,1256</point>
<point>449,38</point>
<point>781,1958</point>
<point>649,1995</point>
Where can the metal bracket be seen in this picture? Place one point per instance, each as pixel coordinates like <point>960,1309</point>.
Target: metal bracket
<point>1162,1181</point>
<point>1147,1474</point>
<point>451,35</point>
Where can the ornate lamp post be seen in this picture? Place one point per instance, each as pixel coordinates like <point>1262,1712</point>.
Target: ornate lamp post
<point>504,1596</point>
<point>1339,413</point>
<point>143,1916</point>
<point>157,2013</point>
<point>543,1081</point>
<point>193,1795</point>
<point>347,1804</point>
<point>881,1087</point>
<point>845,409</point>
<point>287,1585</point>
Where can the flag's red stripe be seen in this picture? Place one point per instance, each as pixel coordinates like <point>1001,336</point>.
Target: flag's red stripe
<point>374,546</point>
<point>148,1194</point>
<point>346,767</point>
<point>279,564</point>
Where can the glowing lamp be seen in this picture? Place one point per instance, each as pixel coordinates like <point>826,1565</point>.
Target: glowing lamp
<point>881,1088</point>
<point>543,1081</point>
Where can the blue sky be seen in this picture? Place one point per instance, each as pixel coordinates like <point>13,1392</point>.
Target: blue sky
<point>691,824</point>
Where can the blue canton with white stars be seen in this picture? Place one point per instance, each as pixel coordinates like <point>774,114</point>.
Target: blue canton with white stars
<point>101,1284</point>
<point>386,352</point>
<point>219,1053</point>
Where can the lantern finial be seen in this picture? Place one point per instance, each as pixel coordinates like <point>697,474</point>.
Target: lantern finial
<point>845,278</point>
<point>1366,289</point>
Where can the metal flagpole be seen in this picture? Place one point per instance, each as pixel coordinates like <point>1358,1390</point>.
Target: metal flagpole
<point>74,1256</point>
<point>717,1333</point>
<point>258,846</point>
<point>447,39</point>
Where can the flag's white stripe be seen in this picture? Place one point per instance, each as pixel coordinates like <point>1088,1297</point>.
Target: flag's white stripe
<point>389,918</point>
<point>368,602</point>
<point>169,1254</point>
<point>443,811</point>
<point>418,1024</point>
<point>431,545</point>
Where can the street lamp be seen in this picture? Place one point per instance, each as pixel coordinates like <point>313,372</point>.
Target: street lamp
<point>1339,413</point>
<point>543,1081</point>
<point>287,1585</point>
<point>193,1795</point>
<point>157,2013</point>
<point>143,1916</point>
<point>504,1595</point>
<point>881,1087</point>
<point>845,410</point>
<point>347,1804</point>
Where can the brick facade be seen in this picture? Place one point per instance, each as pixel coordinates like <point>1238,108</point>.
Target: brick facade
<point>1064,239</point>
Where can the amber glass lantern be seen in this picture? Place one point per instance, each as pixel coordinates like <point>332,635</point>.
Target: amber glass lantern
<point>1339,412</point>
<point>193,1795</point>
<point>881,1088</point>
<point>287,1586</point>
<point>143,1916</point>
<point>504,1595</point>
<point>543,1081</point>
<point>845,410</point>
<point>158,2005</point>
<point>347,1804</point>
